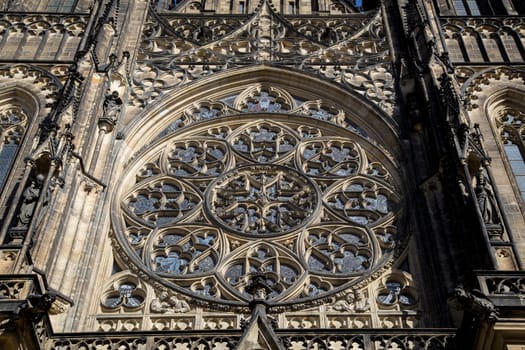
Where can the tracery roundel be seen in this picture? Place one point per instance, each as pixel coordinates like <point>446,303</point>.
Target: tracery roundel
<point>311,206</point>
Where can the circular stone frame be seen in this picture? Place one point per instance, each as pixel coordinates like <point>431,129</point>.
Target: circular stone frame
<point>262,200</point>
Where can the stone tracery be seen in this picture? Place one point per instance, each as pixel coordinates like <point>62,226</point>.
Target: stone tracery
<point>337,49</point>
<point>204,199</point>
<point>262,199</point>
<point>13,122</point>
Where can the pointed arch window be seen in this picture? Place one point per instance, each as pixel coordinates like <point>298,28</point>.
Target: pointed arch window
<point>512,134</point>
<point>13,123</point>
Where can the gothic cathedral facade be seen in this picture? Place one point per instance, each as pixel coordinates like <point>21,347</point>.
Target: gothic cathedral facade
<point>262,174</point>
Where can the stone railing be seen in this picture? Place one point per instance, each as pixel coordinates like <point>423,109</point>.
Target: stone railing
<point>369,339</point>
<point>22,302</point>
<point>504,289</point>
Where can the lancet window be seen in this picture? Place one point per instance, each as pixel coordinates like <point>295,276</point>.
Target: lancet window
<point>13,123</point>
<point>512,132</point>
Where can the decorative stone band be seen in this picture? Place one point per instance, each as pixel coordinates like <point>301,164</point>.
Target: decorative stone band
<point>369,339</point>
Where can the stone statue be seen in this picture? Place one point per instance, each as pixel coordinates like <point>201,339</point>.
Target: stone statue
<point>166,303</point>
<point>486,200</point>
<point>361,301</point>
<point>112,104</point>
<point>31,195</point>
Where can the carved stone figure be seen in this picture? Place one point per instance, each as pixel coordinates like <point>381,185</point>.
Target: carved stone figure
<point>31,194</point>
<point>476,302</point>
<point>346,304</point>
<point>361,301</point>
<point>112,105</point>
<point>354,301</point>
<point>486,200</point>
<point>166,303</point>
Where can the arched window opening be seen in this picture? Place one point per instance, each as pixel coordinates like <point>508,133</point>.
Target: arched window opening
<point>13,123</point>
<point>472,45</point>
<point>511,44</point>
<point>466,7</point>
<point>512,133</point>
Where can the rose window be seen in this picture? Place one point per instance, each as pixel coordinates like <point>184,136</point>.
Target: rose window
<point>311,207</point>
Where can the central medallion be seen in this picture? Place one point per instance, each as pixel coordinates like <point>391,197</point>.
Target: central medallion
<point>262,200</point>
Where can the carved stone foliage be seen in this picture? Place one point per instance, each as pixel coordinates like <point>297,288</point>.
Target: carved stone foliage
<point>349,50</point>
<point>263,199</point>
<point>477,82</point>
<point>203,209</point>
<point>22,35</point>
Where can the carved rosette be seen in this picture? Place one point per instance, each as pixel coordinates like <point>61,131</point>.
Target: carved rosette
<point>203,209</point>
<point>261,200</point>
